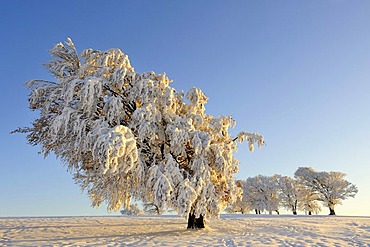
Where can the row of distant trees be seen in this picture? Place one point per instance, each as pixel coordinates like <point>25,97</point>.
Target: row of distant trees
<point>148,208</point>
<point>305,192</point>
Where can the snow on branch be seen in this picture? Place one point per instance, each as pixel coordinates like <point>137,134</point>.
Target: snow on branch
<point>251,138</point>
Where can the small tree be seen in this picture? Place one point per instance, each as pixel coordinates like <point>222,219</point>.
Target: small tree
<point>331,187</point>
<point>308,200</point>
<point>238,207</point>
<point>251,195</point>
<point>288,193</point>
<point>128,135</point>
<point>151,208</point>
<point>261,193</point>
<point>242,205</point>
<point>133,210</point>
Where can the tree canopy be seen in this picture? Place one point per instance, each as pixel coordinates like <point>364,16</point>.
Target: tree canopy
<point>260,193</point>
<point>128,135</point>
<point>329,187</point>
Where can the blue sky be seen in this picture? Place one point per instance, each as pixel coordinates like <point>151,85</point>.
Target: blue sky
<point>297,72</point>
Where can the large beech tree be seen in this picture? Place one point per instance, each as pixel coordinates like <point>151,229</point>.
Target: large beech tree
<point>329,187</point>
<point>128,135</point>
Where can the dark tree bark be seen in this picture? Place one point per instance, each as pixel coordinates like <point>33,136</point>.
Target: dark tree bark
<point>256,211</point>
<point>191,221</point>
<point>195,223</point>
<point>332,212</point>
<point>331,208</point>
<point>294,209</point>
<point>309,213</point>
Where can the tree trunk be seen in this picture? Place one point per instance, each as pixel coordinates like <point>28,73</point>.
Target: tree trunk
<point>256,211</point>
<point>332,212</point>
<point>331,208</point>
<point>195,223</point>
<point>294,209</point>
<point>309,213</point>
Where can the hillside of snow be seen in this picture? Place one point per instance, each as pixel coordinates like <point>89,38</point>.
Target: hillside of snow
<point>229,230</point>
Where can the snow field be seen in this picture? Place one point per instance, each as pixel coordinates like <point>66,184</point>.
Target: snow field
<point>230,230</point>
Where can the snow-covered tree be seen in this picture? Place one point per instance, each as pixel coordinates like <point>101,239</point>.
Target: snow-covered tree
<point>308,200</point>
<point>252,195</point>
<point>133,210</point>
<point>261,193</point>
<point>239,206</point>
<point>288,193</point>
<point>131,135</point>
<point>330,187</point>
<point>242,205</point>
<point>151,208</point>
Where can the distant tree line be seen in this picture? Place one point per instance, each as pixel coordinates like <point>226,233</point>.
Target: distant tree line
<point>133,210</point>
<point>305,192</point>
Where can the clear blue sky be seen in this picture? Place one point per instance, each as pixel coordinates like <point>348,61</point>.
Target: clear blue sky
<point>297,72</point>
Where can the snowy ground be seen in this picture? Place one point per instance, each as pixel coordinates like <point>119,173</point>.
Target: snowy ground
<point>230,230</point>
